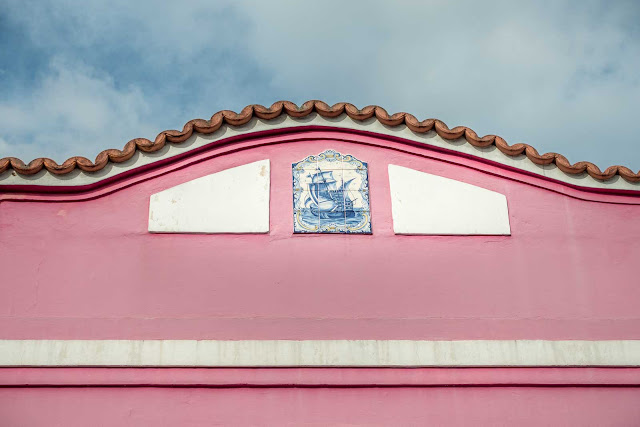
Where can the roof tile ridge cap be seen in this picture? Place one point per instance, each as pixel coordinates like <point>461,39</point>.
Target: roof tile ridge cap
<point>323,109</point>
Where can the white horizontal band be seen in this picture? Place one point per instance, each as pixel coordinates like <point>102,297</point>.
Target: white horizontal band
<point>277,353</point>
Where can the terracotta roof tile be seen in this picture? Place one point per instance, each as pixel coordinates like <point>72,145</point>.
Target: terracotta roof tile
<point>325,110</point>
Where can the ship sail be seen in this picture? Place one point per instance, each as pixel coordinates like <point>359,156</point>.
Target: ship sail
<point>325,193</point>
<point>321,197</point>
<point>323,177</point>
<point>345,184</point>
<point>321,186</point>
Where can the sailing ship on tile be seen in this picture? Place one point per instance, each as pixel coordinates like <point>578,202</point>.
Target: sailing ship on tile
<point>327,199</point>
<point>331,194</point>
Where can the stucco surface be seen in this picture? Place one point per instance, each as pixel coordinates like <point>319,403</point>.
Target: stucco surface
<point>90,270</point>
<point>423,203</point>
<point>234,200</point>
<point>452,406</point>
<point>83,266</point>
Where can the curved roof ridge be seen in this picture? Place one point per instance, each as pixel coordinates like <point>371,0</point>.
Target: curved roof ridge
<point>278,108</point>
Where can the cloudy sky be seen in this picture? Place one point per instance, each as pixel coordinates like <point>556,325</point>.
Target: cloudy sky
<point>77,77</point>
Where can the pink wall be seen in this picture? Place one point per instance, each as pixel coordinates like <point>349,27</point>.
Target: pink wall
<point>88,269</point>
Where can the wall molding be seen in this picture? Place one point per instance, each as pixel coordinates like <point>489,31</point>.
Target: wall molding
<point>132,176</point>
<point>319,353</point>
<point>318,377</point>
<point>256,127</point>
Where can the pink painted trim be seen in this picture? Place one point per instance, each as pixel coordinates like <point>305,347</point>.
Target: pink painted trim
<point>317,377</point>
<point>277,136</point>
<point>136,328</point>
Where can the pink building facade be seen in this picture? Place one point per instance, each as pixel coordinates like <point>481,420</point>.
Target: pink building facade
<point>319,265</point>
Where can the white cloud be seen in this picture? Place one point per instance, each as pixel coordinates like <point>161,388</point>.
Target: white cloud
<point>74,110</point>
<point>561,76</point>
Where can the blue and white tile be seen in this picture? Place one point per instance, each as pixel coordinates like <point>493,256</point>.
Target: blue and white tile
<point>339,172</point>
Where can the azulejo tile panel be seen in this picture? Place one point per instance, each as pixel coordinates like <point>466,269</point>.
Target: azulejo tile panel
<point>331,194</point>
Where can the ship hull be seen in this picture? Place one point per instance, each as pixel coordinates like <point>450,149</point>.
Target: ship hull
<point>331,215</point>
